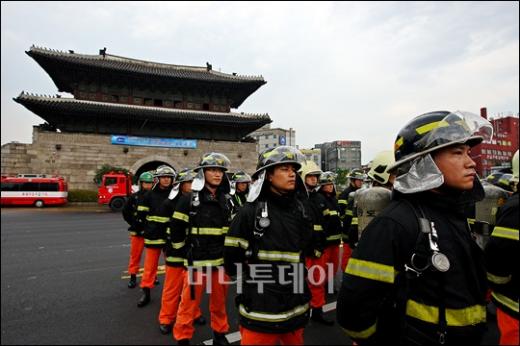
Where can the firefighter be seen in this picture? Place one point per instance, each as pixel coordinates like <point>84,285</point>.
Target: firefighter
<point>240,182</point>
<point>155,228</point>
<point>174,258</point>
<point>332,230</point>
<point>200,221</point>
<point>502,272</point>
<point>346,206</point>
<point>317,264</point>
<point>369,202</point>
<point>267,244</point>
<point>136,228</point>
<point>417,276</point>
<point>502,180</point>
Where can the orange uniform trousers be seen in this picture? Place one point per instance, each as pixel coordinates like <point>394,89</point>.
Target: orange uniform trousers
<point>320,277</point>
<point>508,327</point>
<point>345,256</point>
<point>250,337</point>
<point>189,309</point>
<point>136,251</point>
<point>151,260</point>
<point>171,295</point>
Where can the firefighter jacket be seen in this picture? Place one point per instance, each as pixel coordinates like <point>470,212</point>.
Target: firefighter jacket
<point>502,248</point>
<point>130,213</point>
<point>151,211</point>
<point>273,262</point>
<point>238,200</point>
<point>381,299</point>
<point>330,218</point>
<point>201,229</point>
<point>174,253</point>
<point>346,213</point>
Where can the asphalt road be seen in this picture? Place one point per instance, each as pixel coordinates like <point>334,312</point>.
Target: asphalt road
<point>63,282</point>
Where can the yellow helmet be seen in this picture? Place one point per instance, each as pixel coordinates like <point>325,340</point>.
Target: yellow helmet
<point>309,167</point>
<point>379,166</point>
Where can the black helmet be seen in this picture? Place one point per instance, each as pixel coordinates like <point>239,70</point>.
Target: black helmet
<point>187,174</point>
<point>165,171</point>
<point>357,173</point>
<point>279,155</point>
<point>435,130</point>
<point>502,180</point>
<point>241,177</point>
<point>216,160</point>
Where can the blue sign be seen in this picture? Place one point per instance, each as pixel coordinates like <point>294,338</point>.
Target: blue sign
<point>154,142</point>
<point>281,140</point>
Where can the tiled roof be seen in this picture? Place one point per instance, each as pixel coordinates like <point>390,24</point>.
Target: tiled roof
<point>81,106</point>
<point>119,63</point>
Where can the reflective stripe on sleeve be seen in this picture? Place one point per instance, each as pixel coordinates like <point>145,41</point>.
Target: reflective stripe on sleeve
<point>371,270</point>
<point>236,242</point>
<point>180,216</point>
<point>454,317</point>
<point>363,334</point>
<point>505,232</point>
<point>272,317</point>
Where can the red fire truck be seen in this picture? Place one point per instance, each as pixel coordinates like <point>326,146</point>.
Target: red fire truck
<point>115,188</point>
<point>34,189</point>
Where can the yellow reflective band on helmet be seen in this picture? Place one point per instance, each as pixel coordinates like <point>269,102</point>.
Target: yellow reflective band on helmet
<point>209,231</point>
<point>364,334</point>
<point>454,317</point>
<point>371,270</point>
<point>175,259</point>
<point>428,127</point>
<point>159,219</point>
<point>270,153</point>
<point>318,228</point>
<point>206,263</point>
<point>505,232</point>
<point>177,246</point>
<point>506,301</point>
<point>236,242</point>
<point>499,280</point>
<point>334,237</point>
<point>398,143</point>
<point>272,317</point>
<point>154,242</point>
<point>142,208</point>
<point>342,201</point>
<point>265,255</point>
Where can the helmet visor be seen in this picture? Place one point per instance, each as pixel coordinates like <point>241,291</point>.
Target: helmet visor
<point>456,127</point>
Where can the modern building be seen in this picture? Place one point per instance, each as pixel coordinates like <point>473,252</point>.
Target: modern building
<point>340,155</point>
<point>312,155</point>
<point>135,114</point>
<point>500,150</point>
<point>267,137</point>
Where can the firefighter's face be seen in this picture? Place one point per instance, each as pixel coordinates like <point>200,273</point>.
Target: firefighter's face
<point>241,187</point>
<point>357,183</point>
<point>311,180</point>
<point>165,182</point>
<point>328,188</point>
<point>283,178</point>
<point>213,176</point>
<point>186,187</point>
<point>146,186</point>
<point>457,166</point>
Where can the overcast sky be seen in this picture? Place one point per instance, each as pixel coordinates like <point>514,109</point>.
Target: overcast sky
<point>334,71</point>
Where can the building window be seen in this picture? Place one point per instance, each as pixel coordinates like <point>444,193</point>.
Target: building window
<point>177,104</point>
<point>138,101</point>
<point>148,102</point>
<point>123,99</point>
<point>114,98</point>
<point>157,103</point>
<point>205,106</point>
